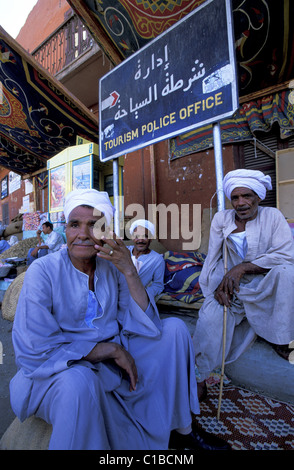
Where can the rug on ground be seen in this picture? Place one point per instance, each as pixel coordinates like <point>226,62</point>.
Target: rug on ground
<point>248,421</point>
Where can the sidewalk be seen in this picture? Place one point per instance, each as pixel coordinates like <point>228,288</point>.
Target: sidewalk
<point>7,371</point>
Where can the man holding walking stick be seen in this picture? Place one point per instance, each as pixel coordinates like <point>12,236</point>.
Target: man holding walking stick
<point>257,288</point>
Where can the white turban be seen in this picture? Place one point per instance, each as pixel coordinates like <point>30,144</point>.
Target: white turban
<point>90,197</point>
<point>252,179</point>
<point>142,223</point>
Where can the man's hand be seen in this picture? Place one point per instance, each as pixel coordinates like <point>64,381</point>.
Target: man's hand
<point>119,355</point>
<point>231,281</point>
<point>35,252</point>
<point>115,251</point>
<point>126,362</point>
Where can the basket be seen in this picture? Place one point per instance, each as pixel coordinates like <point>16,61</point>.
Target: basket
<point>11,297</point>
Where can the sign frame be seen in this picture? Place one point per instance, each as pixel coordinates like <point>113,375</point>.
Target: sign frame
<point>112,100</point>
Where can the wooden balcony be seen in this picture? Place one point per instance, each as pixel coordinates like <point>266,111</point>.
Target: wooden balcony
<point>66,44</point>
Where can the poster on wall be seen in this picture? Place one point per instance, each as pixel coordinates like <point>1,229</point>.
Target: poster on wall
<point>29,188</point>
<point>14,182</point>
<point>4,187</point>
<point>57,188</point>
<point>81,173</point>
<point>26,204</point>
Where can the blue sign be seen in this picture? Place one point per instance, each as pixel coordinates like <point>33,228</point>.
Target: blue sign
<point>183,79</point>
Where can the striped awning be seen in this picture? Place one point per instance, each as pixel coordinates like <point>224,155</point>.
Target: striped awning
<point>253,117</point>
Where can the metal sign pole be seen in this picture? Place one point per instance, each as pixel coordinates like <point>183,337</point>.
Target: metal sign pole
<point>218,160</point>
<point>115,196</point>
<point>220,206</point>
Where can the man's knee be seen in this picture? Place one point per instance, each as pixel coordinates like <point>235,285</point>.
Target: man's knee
<point>285,271</point>
<point>73,385</point>
<point>175,326</point>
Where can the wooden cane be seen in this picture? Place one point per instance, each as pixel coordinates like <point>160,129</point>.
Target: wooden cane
<point>224,339</point>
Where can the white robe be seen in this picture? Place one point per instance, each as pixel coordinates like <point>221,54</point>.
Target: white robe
<point>264,305</point>
<point>90,405</point>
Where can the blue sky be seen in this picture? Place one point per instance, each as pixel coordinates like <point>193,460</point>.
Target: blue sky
<point>13,14</point>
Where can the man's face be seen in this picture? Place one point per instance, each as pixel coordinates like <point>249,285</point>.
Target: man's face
<point>245,202</point>
<point>141,240</point>
<point>80,233</point>
<point>45,229</point>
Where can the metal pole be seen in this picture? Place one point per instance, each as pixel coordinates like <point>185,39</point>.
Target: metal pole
<point>218,160</point>
<point>224,339</point>
<point>221,205</point>
<point>116,196</point>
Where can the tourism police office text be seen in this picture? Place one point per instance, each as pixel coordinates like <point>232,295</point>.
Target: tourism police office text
<point>195,108</point>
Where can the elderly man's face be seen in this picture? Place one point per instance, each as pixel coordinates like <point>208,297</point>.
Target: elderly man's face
<point>245,202</point>
<point>141,239</point>
<point>80,233</point>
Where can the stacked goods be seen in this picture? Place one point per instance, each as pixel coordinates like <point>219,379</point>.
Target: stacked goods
<point>20,250</point>
<point>14,228</point>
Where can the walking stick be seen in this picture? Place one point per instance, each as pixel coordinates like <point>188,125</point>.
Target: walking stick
<point>224,338</point>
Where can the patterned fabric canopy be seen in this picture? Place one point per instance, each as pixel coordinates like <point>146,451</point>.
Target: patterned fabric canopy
<point>38,117</point>
<point>251,118</point>
<point>264,33</point>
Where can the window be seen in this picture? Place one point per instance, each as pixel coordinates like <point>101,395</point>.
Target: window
<point>261,155</point>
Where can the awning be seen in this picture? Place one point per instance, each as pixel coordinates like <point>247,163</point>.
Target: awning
<point>251,118</point>
<point>38,116</point>
<point>264,33</point>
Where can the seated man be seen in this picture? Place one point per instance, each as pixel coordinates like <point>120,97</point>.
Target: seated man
<point>53,243</point>
<point>93,357</point>
<point>258,286</point>
<point>149,264</point>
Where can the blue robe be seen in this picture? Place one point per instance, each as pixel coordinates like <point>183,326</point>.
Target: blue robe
<point>151,271</point>
<point>90,405</point>
<point>4,245</point>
